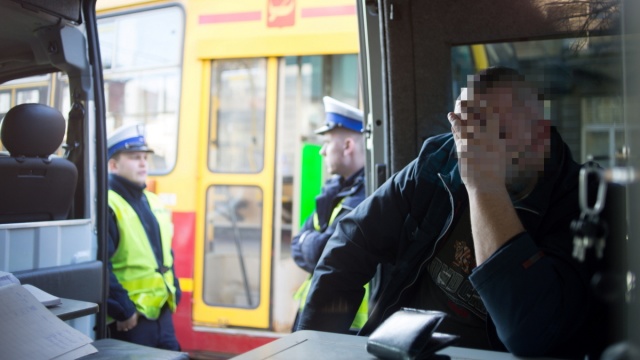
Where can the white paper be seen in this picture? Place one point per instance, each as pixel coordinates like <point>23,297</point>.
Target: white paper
<point>44,297</point>
<point>77,353</point>
<point>30,331</point>
<point>7,278</point>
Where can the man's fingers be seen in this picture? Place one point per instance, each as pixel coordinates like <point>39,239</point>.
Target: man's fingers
<point>453,118</point>
<point>455,124</point>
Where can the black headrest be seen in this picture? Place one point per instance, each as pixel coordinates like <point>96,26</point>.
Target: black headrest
<point>32,130</point>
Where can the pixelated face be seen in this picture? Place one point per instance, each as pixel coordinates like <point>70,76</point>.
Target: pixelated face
<point>131,166</point>
<point>516,124</point>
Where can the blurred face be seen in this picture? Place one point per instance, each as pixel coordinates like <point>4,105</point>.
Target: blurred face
<point>519,124</point>
<point>332,150</point>
<point>131,166</point>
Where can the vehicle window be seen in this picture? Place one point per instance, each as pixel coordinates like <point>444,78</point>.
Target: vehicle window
<point>233,236</point>
<point>237,115</point>
<point>304,81</point>
<point>5,102</point>
<point>141,56</point>
<point>581,80</point>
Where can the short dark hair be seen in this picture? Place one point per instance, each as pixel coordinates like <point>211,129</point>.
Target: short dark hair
<point>502,76</point>
<point>494,76</point>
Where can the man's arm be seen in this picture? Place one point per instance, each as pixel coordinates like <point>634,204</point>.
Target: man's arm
<point>308,245</point>
<point>493,220</point>
<point>536,296</point>
<point>535,293</point>
<point>365,237</point>
<point>336,289</point>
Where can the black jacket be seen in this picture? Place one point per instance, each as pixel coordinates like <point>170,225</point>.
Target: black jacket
<point>538,309</point>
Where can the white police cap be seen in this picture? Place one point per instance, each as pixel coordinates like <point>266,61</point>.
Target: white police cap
<point>128,138</point>
<point>339,114</point>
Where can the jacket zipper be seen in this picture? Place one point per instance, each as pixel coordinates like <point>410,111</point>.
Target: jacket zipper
<point>433,249</point>
<point>526,209</point>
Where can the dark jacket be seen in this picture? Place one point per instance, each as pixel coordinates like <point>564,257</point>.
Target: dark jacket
<point>537,305</point>
<point>307,246</point>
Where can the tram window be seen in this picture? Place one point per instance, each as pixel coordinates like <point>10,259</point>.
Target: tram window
<point>32,89</point>
<point>237,115</point>
<point>344,78</point>
<point>5,102</point>
<point>141,57</point>
<point>501,54</point>
<point>603,129</point>
<point>141,40</point>
<point>462,64</point>
<point>63,95</point>
<point>304,80</point>
<point>33,95</point>
<point>232,251</point>
<point>307,80</point>
<point>5,105</point>
<point>581,80</point>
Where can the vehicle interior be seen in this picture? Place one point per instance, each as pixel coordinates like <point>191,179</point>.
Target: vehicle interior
<point>40,38</point>
<point>51,40</point>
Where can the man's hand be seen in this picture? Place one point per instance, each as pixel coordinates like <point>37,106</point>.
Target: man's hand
<point>481,151</point>
<point>128,324</point>
<point>481,147</point>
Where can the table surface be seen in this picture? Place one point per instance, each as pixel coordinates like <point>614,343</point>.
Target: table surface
<point>316,345</point>
<point>71,309</point>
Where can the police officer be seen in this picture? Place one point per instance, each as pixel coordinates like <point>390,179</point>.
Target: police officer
<point>344,158</point>
<point>143,288</point>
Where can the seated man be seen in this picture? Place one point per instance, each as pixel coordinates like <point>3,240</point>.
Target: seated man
<point>478,226</point>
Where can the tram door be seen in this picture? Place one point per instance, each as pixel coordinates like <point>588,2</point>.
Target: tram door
<point>232,277</point>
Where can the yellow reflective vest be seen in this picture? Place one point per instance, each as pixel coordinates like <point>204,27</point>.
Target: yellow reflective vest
<point>134,263</point>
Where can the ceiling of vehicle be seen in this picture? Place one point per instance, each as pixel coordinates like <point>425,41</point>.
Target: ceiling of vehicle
<point>21,25</point>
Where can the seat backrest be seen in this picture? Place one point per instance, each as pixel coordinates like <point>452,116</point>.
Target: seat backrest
<point>81,281</point>
<point>34,184</point>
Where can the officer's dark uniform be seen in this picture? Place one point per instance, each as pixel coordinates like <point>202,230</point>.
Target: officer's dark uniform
<point>339,196</point>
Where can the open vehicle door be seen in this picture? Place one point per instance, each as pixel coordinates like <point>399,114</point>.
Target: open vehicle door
<point>53,179</point>
<point>50,45</point>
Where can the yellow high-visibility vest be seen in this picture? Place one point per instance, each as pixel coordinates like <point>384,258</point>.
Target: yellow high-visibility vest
<point>134,263</point>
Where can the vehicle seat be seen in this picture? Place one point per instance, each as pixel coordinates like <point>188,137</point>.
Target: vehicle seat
<point>34,184</point>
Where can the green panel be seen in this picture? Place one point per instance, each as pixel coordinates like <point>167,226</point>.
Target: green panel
<point>311,179</point>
